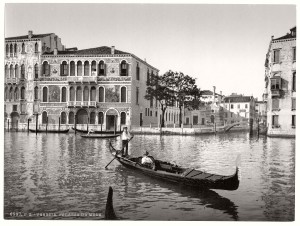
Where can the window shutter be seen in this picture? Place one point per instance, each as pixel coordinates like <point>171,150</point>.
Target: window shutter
<point>104,69</point>
<point>127,69</point>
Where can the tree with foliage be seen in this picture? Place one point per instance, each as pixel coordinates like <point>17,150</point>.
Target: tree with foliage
<point>186,92</point>
<point>160,88</point>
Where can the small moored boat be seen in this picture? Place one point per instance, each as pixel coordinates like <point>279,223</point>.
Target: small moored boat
<point>101,136</point>
<point>49,131</point>
<point>173,173</point>
<point>96,131</point>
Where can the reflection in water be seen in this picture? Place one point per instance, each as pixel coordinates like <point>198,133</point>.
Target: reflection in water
<point>208,198</point>
<point>64,173</point>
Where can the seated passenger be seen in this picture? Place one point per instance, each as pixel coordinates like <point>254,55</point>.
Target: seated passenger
<point>146,159</point>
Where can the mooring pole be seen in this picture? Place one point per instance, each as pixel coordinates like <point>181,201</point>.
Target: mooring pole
<point>27,125</point>
<point>47,125</point>
<point>75,122</point>
<point>87,125</point>
<point>114,125</point>
<point>8,125</point>
<point>36,123</point>
<point>17,129</point>
<point>58,123</point>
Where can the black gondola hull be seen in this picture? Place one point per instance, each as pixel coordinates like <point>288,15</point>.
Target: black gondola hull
<point>204,181</point>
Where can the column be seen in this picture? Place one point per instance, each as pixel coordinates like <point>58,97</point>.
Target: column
<point>69,68</point>
<point>76,69</point>
<point>90,69</point>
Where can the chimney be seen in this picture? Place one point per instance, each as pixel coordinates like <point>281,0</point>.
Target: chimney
<point>55,51</point>
<point>112,50</point>
<point>29,34</point>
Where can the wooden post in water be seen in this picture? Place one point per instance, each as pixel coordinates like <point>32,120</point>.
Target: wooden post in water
<point>47,125</point>
<point>87,125</point>
<point>36,123</point>
<point>17,129</point>
<point>8,125</point>
<point>27,125</point>
<point>58,124</point>
<point>114,125</point>
<point>75,122</point>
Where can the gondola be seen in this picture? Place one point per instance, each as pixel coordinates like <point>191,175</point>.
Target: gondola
<point>96,131</point>
<point>179,175</point>
<point>101,136</point>
<point>49,131</point>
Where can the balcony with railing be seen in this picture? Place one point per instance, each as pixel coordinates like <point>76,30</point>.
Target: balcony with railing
<point>82,79</point>
<point>82,104</point>
<point>11,80</point>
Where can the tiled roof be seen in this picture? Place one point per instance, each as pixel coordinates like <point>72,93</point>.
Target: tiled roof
<point>103,50</point>
<point>288,35</point>
<point>237,99</point>
<point>208,92</point>
<point>26,36</point>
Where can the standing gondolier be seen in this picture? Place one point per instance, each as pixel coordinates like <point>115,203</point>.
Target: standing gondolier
<point>125,139</point>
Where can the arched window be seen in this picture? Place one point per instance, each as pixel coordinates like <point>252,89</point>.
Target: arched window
<point>92,118</point>
<point>124,68</point>
<point>45,94</point>
<point>86,68</point>
<point>64,94</point>
<point>11,92</point>
<point>6,71</point>
<point>100,118</point>
<point>7,50</point>
<point>94,68</point>
<point>123,118</point>
<point>44,117</point>
<point>101,94</point>
<point>16,49</point>
<point>23,93</point>
<point>72,68</point>
<point>46,69</point>
<point>86,94</point>
<point>78,94</point>
<point>71,117</point>
<point>11,50</point>
<point>79,68</point>
<point>17,71</point>
<point>102,68</point>
<point>63,118</point>
<point>123,94</point>
<point>16,95</point>
<point>36,47</point>
<point>36,71</point>
<point>93,94</point>
<point>23,71</point>
<point>72,94</point>
<point>137,71</point>
<point>11,71</point>
<point>64,69</point>
<point>36,93</point>
<point>23,48</point>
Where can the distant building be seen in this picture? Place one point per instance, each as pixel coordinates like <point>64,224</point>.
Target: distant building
<point>93,86</point>
<point>209,97</point>
<point>280,85</point>
<point>238,108</point>
<point>261,111</point>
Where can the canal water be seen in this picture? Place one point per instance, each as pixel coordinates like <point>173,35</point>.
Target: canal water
<point>58,176</point>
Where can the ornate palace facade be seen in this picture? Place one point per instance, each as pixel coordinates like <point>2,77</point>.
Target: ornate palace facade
<point>97,86</point>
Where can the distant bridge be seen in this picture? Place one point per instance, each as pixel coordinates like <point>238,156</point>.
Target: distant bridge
<point>230,126</point>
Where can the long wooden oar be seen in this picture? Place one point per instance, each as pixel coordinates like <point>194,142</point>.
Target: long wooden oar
<point>117,153</point>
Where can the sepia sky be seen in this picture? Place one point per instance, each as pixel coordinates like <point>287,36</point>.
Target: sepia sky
<point>220,45</point>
